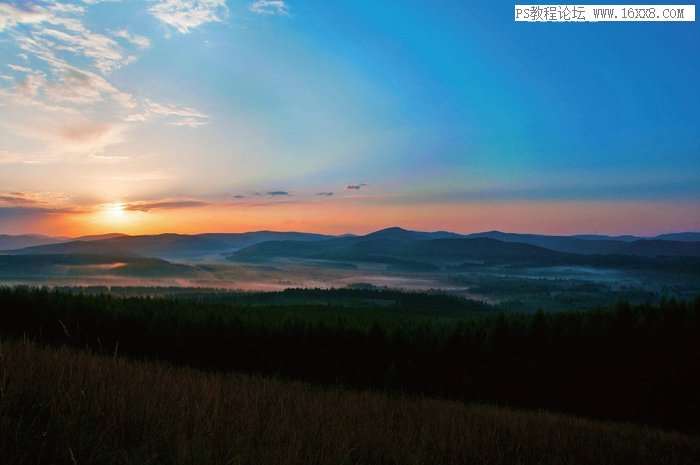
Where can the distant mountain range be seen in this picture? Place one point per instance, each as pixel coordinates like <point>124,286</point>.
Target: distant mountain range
<point>165,246</point>
<point>73,265</point>
<point>8,242</point>
<point>417,250</point>
<point>396,247</point>
<point>682,244</point>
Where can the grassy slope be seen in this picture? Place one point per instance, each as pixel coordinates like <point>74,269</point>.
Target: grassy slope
<point>65,407</point>
<point>629,364</point>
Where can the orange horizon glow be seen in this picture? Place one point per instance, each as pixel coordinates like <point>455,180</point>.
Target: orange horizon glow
<point>338,217</point>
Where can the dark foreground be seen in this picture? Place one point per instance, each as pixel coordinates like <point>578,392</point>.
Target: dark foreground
<point>61,406</point>
<point>627,363</point>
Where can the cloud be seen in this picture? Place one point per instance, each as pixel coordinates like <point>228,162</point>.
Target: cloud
<point>84,87</point>
<point>20,219</point>
<point>164,205</point>
<point>61,94</point>
<point>185,15</point>
<point>105,52</point>
<point>85,133</point>
<point>278,193</point>
<point>70,135</point>
<point>269,7</point>
<point>56,30</point>
<point>134,39</point>
<point>189,122</point>
<point>180,115</point>
<point>11,15</point>
<point>31,84</point>
<point>57,27</point>
<point>325,194</point>
<point>16,198</point>
<point>33,199</point>
<point>8,158</point>
<point>22,213</point>
<point>110,158</point>
<point>95,2</point>
<point>239,196</point>
<point>19,69</point>
<point>355,187</point>
<point>146,176</point>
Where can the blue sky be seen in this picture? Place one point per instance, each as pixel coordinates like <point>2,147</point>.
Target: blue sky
<point>448,106</point>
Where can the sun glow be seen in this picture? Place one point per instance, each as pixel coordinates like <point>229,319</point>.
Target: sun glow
<point>114,213</point>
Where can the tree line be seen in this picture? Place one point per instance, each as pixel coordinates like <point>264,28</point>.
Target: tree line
<point>636,363</point>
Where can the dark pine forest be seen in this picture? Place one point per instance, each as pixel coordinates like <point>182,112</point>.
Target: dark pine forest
<point>632,363</point>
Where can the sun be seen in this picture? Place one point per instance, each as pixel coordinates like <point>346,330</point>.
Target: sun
<point>114,212</point>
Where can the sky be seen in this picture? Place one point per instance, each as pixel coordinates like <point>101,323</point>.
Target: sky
<point>342,116</point>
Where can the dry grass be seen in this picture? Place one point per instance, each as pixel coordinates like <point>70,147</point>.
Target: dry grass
<point>59,406</point>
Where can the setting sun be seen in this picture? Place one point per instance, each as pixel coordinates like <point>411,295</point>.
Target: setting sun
<point>114,213</point>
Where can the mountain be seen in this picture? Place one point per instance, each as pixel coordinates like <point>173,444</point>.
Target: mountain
<point>73,265</point>
<point>568,244</point>
<point>166,246</point>
<point>660,248</point>
<point>99,237</point>
<point>400,248</point>
<point>397,233</point>
<point>397,247</point>
<point>594,237</point>
<point>8,242</point>
<point>603,245</point>
<point>681,237</point>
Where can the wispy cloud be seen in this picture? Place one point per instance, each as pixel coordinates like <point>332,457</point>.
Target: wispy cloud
<point>10,158</point>
<point>185,15</point>
<point>34,199</point>
<point>19,213</point>
<point>90,136</point>
<point>278,194</point>
<point>95,2</point>
<point>16,198</point>
<point>69,134</point>
<point>355,187</point>
<point>164,205</point>
<point>269,7</point>
<point>58,27</point>
<point>65,68</point>
<point>325,194</point>
<point>134,39</point>
<point>19,68</point>
<point>12,15</point>
<point>178,115</point>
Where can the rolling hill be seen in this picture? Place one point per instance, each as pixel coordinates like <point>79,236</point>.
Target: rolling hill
<point>57,265</point>
<point>423,250</point>
<point>165,246</point>
<point>373,248</point>
<point>397,247</point>
<point>8,242</point>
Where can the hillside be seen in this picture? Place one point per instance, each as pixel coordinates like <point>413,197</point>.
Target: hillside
<point>63,265</point>
<point>681,244</point>
<point>8,242</point>
<point>424,252</point>
<point>88,409</point>
<point>166,246</point>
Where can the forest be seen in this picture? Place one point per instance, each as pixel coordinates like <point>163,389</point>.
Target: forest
<point>633,363</point>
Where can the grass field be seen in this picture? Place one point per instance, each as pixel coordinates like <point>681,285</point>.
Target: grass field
<point>60,406</point>
<point>627,363</point>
